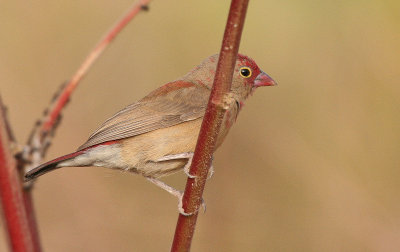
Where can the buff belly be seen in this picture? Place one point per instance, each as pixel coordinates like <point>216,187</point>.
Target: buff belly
<point>141,153</point>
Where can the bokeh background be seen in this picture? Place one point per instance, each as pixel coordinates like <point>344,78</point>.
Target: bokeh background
<point>311,165</point>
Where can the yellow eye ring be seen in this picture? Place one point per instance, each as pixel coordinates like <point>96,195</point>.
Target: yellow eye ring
<point>245,72</point>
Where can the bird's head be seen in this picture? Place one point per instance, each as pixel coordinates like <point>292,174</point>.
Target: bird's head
<point>247,76</point>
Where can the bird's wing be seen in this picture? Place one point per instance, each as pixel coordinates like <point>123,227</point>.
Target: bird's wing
<point>171,104</point>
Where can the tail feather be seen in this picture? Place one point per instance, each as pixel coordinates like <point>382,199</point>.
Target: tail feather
<point>50,166</point>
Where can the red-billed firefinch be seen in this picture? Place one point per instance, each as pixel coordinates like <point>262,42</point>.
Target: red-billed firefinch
<point>156,136</point>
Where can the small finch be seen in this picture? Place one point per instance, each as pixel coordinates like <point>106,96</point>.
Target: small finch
<point>157,135</point>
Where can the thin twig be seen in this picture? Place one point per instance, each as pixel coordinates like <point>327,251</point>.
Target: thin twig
<point>210,127</point>
<point>12,201</point>
<point>10,133</point>
<point>44,129</point>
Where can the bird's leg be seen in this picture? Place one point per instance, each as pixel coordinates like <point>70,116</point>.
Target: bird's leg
<point>166,187</point>
<point>172,191</point>
<point>186,168</point>
<point>176,193</point>
<point>185,155</point>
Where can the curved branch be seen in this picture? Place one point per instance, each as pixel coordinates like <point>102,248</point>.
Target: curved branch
<point>41,134</point>
<point>210,127</point>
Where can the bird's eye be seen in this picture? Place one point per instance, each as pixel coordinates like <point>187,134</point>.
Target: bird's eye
<point>245,72</point>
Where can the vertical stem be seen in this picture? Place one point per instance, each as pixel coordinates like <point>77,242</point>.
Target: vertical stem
<point>30,212</point>
<point>12,200</point>
<point>210,127</point>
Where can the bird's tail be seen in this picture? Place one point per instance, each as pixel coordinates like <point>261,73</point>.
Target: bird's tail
<point>50,166</point>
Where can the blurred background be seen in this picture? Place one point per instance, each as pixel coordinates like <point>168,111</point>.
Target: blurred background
<point>311,165</point>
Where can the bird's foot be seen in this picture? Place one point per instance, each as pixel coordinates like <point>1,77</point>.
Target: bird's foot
<point>177,194</point>
<point>186,169</point>
<point>184,155</point>
<point>182,211</point>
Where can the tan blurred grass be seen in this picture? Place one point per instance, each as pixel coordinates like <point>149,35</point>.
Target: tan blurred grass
<point>311,165</point>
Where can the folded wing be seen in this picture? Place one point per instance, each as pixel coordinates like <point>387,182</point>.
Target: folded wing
<point>171,104</point>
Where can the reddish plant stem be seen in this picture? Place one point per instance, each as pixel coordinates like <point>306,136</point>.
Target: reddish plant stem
<point>210,127</point>
<point>7,125</point>
<point>88,62</point>
<point>30,212</point>
<point>12,200</point>
<point>50,121</point>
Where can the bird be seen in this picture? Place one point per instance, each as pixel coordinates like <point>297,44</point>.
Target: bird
<point>156,136</point>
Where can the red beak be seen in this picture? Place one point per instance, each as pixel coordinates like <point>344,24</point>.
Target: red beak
<point>263,79</point>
